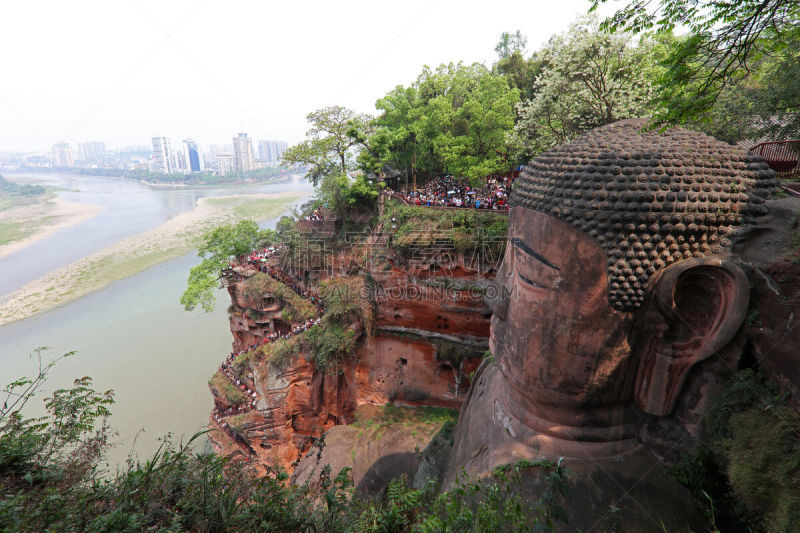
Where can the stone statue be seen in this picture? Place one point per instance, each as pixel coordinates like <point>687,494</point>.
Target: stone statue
<point>616,283</point>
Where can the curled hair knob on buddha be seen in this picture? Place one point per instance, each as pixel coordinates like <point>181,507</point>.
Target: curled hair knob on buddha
<point>622,169</point>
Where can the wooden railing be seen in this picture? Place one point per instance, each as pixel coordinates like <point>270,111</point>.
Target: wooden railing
<point>782,156</point>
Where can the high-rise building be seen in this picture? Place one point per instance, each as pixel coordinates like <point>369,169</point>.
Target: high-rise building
<point>263,150</point>
<point>225,164</point>
<point>92,152</point>
<point>62,155</point>
<point>271,151</point>
<point>214,150</point>
<point>242,153</point>
<point>177,162</point>
<point>161,160</point>
<point>192,154</point>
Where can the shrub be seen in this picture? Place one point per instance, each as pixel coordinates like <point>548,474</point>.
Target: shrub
<point>283,351</point>
<point>50,481</point>
<point>467,230</point>
<point>345,302</point>
<point>295,308</point>
<point>750,468</point>
<point>493,504</point>
<point>329,343</point>
<point>222,387</point>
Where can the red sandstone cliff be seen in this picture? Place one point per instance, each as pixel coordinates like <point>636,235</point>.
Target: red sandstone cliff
<point>421,331</point>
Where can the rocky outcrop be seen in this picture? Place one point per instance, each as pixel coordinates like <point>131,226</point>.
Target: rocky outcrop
<point>771,252</point>
<point>383,444</point>
<point>421,332</point>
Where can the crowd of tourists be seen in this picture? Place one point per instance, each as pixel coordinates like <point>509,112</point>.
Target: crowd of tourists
<point>259,259</point>
<point>235,436</point>
<point>317,214</point>
<point>448,191</point>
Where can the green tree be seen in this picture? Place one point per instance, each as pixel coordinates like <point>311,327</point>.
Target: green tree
<point>408,146</point>
<point>453,119</point>
<point>327,147</point>
<point>474,117</point>
<point>726,40</point>
<point>520,72</point>
<point>11,188</point>
<point>590,79</point>
<point>763,104</point>
<point>510,43</point>
<point>347,197</point>
<point>219,246</point>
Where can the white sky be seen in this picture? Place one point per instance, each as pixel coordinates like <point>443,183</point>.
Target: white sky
<point>120,71</point>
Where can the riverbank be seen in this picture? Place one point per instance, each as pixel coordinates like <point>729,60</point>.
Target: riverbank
<point>22,225</point>
<point>258,177</point>
<point>172,239</point>
<point>228,185</point>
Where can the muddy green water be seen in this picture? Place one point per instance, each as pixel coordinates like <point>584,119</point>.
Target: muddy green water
<point>132,337</point>
<point>135,338</point>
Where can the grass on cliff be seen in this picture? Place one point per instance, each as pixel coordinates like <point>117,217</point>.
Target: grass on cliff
<point>221,387</point>
<point>346,302</point>
<point>469,231</point>
<point>748,471</point>
<point>51,479</point>
<point>283,351</point>
<point>347,317</point>
<point>377,418</point>
<point>295,308</point>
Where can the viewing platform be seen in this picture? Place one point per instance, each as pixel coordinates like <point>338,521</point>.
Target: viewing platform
<point>321,228</point>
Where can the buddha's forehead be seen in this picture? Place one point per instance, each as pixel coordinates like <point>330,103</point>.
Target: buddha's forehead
<point>648,199</point>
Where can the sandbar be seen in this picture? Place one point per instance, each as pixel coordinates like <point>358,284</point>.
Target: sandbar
<point>44,219</point>
<point>132,255</point>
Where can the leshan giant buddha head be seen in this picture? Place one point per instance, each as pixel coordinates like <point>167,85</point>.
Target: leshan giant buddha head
<point>616,282</point>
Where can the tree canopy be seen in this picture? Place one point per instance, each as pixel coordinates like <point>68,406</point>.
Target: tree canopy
<point>510,43</point>
<point>219,246</point>
<point>584,79</point>
<point>11,188</point>
<point>453,119</point>
<point>327,147</point>
<point>726,42</point>
<point>520,72</point>
<point>346,196</point>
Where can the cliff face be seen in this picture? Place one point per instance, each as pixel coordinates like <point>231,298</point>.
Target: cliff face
<point>419,334</point>
<point>772,255</point>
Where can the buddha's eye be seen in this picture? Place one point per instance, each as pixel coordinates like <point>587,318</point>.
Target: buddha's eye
<point>531,282</point>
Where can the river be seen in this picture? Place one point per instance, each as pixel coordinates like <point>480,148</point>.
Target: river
<point>131,207</point>
<point>133,336</point>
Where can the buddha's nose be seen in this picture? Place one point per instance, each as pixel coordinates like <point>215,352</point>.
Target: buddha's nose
<point>496,298</point>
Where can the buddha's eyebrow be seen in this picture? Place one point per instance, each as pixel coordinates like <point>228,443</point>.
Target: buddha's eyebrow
<point>519,243</point>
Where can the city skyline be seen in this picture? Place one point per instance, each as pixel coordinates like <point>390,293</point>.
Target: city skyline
<point>94,149</point>
<point>195,67</point>
<point>162,156</point>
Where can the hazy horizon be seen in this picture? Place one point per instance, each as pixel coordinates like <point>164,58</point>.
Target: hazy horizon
<point>122,72</point>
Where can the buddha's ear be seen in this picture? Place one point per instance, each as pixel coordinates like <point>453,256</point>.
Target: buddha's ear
<point>699,305</point>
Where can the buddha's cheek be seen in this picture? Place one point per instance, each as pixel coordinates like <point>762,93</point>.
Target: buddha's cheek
<point>529,341</point>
